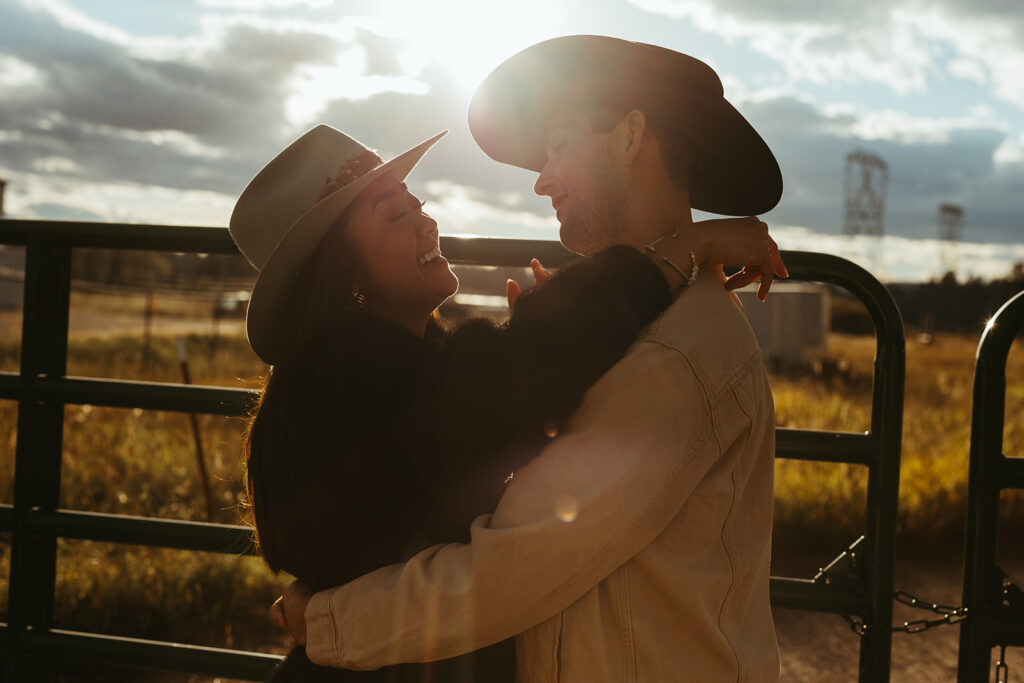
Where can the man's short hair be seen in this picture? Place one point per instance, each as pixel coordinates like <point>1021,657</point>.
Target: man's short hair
<point>675,153</point>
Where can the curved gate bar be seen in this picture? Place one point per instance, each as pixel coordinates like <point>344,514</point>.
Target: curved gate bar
<point>989,621</point>
<point>885,439</point>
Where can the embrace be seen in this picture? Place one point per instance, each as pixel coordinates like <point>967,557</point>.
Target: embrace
<point>593,478</point>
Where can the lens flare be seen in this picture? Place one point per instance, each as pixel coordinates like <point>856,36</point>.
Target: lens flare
<point>566,508</point>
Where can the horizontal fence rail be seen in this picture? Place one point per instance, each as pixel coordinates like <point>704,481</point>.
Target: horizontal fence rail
<point>92,647</point>
<point>42,389</point>
<point>996,616</point>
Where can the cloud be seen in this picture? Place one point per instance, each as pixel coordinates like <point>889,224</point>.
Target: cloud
<point>901,259</point>
<point>823,43</point>
<point>44,195</point>
<point>205,115</point>
<point>898,44</point>
<point>899,126</point>
<point>261,5</point>
<point>95,107</point>
<point>930,160</point>
<point>967,69</point>
<point>461,209</point>
<point>395,121</point>
<point>98,122</point>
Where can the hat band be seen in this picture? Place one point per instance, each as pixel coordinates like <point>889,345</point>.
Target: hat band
<point>355,167</point>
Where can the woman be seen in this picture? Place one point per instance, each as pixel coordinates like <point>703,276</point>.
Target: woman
<point>417,428</point>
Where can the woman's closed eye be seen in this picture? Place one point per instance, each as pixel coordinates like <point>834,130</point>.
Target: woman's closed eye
<point>403,211</point>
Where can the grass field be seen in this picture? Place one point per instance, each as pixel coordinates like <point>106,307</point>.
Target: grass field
<point>821,500</point>
<point>143,463</point>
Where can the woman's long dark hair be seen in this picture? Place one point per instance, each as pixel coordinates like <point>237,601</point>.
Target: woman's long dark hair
<point>336,380</point>
<point>276,472</point>
<point>343,371</point>
<point>286,448</point>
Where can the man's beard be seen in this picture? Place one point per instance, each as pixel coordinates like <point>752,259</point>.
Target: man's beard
<point>600,222</point>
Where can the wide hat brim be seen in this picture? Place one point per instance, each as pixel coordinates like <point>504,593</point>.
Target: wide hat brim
<point>273,290</point>
<point>735,173</point>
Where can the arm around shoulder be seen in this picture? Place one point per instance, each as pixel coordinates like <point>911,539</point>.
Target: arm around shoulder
<point>600,493</point>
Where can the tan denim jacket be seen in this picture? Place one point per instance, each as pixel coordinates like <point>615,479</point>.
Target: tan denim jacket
<point>635,548</point>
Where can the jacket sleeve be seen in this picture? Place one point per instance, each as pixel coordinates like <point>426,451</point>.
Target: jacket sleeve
<point>498,392</point>
<point>598,495</point>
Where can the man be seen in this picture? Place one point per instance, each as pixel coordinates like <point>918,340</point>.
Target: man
<point>636,547</point>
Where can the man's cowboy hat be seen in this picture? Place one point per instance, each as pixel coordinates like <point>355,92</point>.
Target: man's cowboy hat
<point>285,211</point>
<point>734,171</point>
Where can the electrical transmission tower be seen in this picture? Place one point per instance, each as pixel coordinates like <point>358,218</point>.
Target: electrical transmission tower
<point>867,177</point>
<point>865,184</point>
<point>951,230</point>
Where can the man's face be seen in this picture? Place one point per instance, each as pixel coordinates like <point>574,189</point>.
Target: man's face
<point>586,183</point>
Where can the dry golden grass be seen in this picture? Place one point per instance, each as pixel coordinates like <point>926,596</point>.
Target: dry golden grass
<point>822,500</point>
<point>143,463</point>
<point>129,461</point>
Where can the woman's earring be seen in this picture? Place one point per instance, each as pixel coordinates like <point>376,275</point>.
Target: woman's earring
<point>358,299</point>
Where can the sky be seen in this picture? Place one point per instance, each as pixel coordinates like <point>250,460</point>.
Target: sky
<point>161,112</point>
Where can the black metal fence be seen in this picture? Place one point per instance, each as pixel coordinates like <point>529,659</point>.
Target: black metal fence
<point>858,585</point>
<point>996,605</point>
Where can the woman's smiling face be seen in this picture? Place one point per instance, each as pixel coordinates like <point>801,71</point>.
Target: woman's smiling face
<point>404,275</point>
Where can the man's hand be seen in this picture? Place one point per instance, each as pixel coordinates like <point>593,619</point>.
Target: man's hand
<point>289,610</point>
<point>512,289</point>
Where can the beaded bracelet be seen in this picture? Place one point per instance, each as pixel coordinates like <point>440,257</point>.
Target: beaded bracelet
<point>688,278</point>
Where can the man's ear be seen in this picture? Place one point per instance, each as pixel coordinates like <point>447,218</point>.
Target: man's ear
<point>634,128</point>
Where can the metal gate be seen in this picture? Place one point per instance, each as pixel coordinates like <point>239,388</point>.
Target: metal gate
<point>995,605</point>
<point>858,584</point>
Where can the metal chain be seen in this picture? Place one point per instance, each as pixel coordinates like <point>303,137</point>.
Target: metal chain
<point>949,614</point>
<point>856,624</point>
<point>846,566</point>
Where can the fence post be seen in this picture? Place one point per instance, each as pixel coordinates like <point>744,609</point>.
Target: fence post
<point>883,495</point>
<point>987,476</point>
<point>44,342</point>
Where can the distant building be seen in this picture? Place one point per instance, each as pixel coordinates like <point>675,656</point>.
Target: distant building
<point>792,325</point>
<point>12,276</point>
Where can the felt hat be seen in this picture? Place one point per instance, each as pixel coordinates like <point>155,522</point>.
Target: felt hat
<point>733,170</point>
<point>285,211</point>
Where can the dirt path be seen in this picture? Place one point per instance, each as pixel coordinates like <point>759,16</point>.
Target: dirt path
<point>820,647</point>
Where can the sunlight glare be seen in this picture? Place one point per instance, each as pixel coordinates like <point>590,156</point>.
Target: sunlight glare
<point>313,86</point>
<point>467,37</point>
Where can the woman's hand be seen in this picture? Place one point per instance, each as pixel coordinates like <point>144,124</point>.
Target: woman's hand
<point>289,610</point>
<point>512,289</point>
<point>746,242</point>
<point>729,241</point>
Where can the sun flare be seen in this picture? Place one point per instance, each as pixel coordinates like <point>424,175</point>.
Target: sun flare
<point>468,38</point>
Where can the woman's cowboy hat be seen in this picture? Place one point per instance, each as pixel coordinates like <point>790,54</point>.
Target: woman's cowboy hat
<point>734,171</point>
<point>285,211</point>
